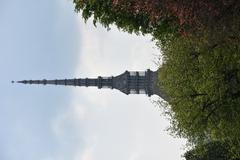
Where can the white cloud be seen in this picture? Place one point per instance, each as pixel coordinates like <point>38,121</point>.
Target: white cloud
<point>86,154</point>
<point>134,156</point>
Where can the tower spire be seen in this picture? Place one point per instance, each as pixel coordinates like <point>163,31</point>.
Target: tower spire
<point>87,82</point>
<point>128,82</point>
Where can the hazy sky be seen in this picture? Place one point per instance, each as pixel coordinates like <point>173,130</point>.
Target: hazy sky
<point>47,39</point>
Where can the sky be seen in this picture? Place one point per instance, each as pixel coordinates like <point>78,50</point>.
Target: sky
<point>47,39</point>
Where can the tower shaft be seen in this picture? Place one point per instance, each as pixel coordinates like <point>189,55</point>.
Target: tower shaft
<point>133,82</point>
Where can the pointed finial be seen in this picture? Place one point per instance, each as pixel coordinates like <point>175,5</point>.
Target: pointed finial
<point>24,81</point>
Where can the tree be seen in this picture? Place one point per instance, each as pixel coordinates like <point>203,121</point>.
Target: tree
<point>202,81</point>
<point>159,17</point>
<point>209,151</point>
<point>138,16</point>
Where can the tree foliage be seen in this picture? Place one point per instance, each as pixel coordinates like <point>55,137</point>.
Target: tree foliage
<point>133,16</point>
<point>209,151</point>
<point>159,17</point>
<point>129,15</point>
<point>202,80</point>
